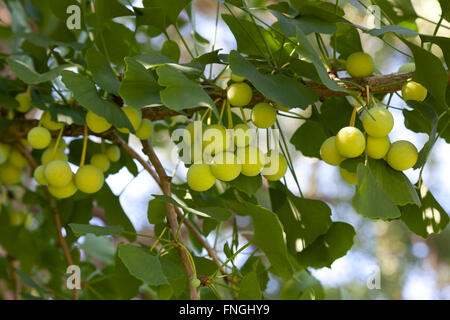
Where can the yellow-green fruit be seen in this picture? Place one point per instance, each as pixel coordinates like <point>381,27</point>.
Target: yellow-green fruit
<point>226,166</point>
<point>48,156</point>
<point>58,173</point>
<point>329,152</point>
<point>113,153</point>
<point>237,78</point>
<point>402,155</point>
<point>277,106</point>
<point>377,148</point>
<point>3,157</point>
<point>39,138</point>
<point>145,129</point>
<point>46,121</point>
<point>63,192</point>
<point>62,144</point>
<point>16,218</point>
<point>9,174</point>
<point>239,94</point>
<point>359,64</point>
<point>378,122</point>
<point>101,161</point>
<point>96,123</point>
<point>276,166</point>
<point>350,142</point>
<point>24,99</point>
<point>89,179</point>
<point>264,115</point>
<point>414,91</point>
<point>135,117</point>
<point>39,175</point>
<point>216,139</point>
<point>5,149</point>
<point>349,177</point>
<point>28,220</point>
<point>17,159</point>
<point>193,132</point>
<point>407,67</point>
<point>200,178</point>
<point>252,160</point>
<point>242,135</point>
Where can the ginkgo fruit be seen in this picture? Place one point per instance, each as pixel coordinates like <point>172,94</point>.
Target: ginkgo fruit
<point>407,67</point>
<point>414,91</point>
<point>239,94</point>
<point>378,122</point>
<point>226,166</point>
<point>96,123</point>
<point>329,152</point>
<point>39,138</point>
<point>349,177</point>
<point>242,134</point>
<point>61,145</point>
<point>58,173</point>
<point>350,142</point>
<point>17,159</point>
<point>5,149</point>
<point>24,100</point>
<point>63,192</point>
<point>39,175</point>
<point>49,155</point>
<point>402,155</point>
<point>113,153</point>
<point>200,177</point>
<point>47,122</point>
<point>10,174</point>
<point>282,108</point>
<point>193,133</point>
<point>101,161</point>
<point>276,166</point>
<point>216,139</point>
<point>377,148</point>
<point>89,179</point>
<point>16,218</point>
<point>135,117</point>
<point>264,115</point>
<point>237,78</point>
<point>359,64</point>
<point>145,130</point>
<point>252,160</point>
<point>28,220</point>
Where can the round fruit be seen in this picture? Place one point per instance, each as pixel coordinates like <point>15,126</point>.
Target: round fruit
<point>349,177</point>
<point>414,91</point>
<point>276,166</point>
<point>5,149</point>
<point>62,144</point>
<point>28,220</point>
<point>63,192</point>
<point>359,64</point>
<point>145,129</point>
<point>9,174</point>
<point>407,67</point>
<point>48,156</point>
<point>252,160</point>
<point>402,155</point>
<point>24,99</point>
<point>237,78</point>
<point>226,166</point>
<point>350,142</point>
<point>329,152</point>
<point>193,132</point>
<point>46,121</point>
<point>16,218</point>
<point>239,94</point>
<point>242,135</point>
<point>96,123</point>
<point>113,153</point>
<point>101,161</point>
<point>200,178</point>
<point>39,175</point>
<point>135,117</point>
<point>58,173</point>
<point>17,159</point>
<point>215,139</point>
<point>89,179</point>
<point>39,138</point>
<point>378,122</point>
<point>377,148</point>
<point>264,115</point>
<point>196,283</point>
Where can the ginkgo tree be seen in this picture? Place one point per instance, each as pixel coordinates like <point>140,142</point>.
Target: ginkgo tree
<point>71,97</point>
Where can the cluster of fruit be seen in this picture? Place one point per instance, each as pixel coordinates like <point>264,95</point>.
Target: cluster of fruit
<point>20,218</point>
<point>12,163</point>
<point>221,154</point>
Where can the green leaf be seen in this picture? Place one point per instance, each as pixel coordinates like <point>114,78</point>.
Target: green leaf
<point>180,92</point>
<point>309,138</point>
<point>139,88</point>
<point>96,230</point>
<point>156,211</point>
<point>29,76</point>
<point>426,219</point>
<point>45,41</point>
<point>160,13</point>
<point>101,71</point>
<point>108,9</point>
<point>279,88</point>
<point>328,247</point>
<point>302,286</point>
<point>442,42</point>
<point>248,185</point>
<point>376,32</point>
<point>347,40</point>
<point>268,235</point>
<point>402,10</point>
<point>249,287</point>
<point>99,248</point>
<point>370,199</point>
<point>142,265</point>
<point>171,50</point>
<point>86,94</point>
